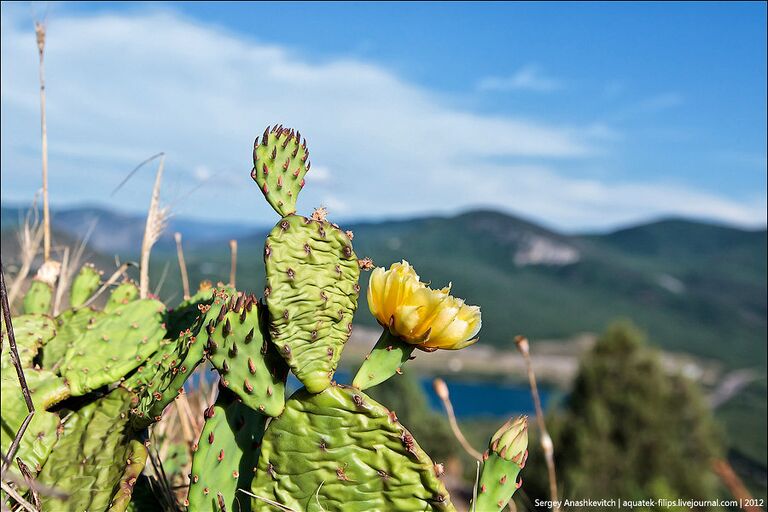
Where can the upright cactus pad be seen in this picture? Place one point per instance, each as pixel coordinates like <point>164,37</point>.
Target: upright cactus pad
<point>340,450</point>
<point>97,459</point>
<point>38,298</point>
<point>226,456</point>
<point>123,293</point>
<point>311,295</point>
<point>280,161</point>
<point>502,462</point>
<point>170,367</point>
<point>84,285</point>
<point>116,344</point>
<point>248,364</point>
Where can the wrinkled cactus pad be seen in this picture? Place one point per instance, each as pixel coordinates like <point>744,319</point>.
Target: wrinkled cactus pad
<point>226,456</point>
<point>70,325</point>
<point>340,450</point>
<point>117,343</point>
<point>122,294</point>
<point>280,161</point>
<point>248,364</point>
<point>97,459</point>
<point>311,295</point>
<point>31,332</point>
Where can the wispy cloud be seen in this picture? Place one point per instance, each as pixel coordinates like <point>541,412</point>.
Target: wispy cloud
<point>528,78</point>
<point>129,86</point>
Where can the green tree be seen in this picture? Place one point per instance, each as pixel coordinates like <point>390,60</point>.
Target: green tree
<point>631,430</point>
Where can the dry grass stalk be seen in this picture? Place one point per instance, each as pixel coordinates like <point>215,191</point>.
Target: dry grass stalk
<point>30,236</point>
<point>546,441</point>
<point>441,389</point>
<point>63,283</point>
<point>233,262</point>
<point>157,220</point>
<point>182,265</point>
<point>40,33</point>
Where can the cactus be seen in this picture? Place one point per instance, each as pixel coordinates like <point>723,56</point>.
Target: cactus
<point>38,298</point>
<point>340,450</point>
<point>116,344</point>
<point>121,295</point>
<point>84,285</point>
<point>169,368</point>
<point>97,459</point>
<point>502,462</point>
<point>280,162</point>
<point>247,362</point>
<point>225,456</point>
<point>311,295</point>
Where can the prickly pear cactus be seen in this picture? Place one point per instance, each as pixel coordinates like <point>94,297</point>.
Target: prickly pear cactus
<point>125,292</point>
<point>502,462</point>
<point>311,295</point>
<point>169,368</point>
<point>280,162</point>
<point>84,285</point>
<point>340,450</point>
<point>117,343</point>
<point>97,459</point>
<point>226,456</point>
<point>38,298</point>
<point>248,364</point>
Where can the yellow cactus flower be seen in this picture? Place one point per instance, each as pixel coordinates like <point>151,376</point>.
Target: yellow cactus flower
<point>419,315</point>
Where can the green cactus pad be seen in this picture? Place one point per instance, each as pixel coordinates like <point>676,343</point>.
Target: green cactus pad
<point>226,456</point>
<point>506,456</point>
<point>85,284</point>
<point>38,298</point>
<point>169,368</point>
<point>340,450</point>
<point>280,162</point>
<point>248,364</point>
<point>31,332</point>
<point>97,458</point>
<point>46,389</point>
<point>311,295</point>
<point>125,292</point>
<point>117,343</point>
<point>70,325</point>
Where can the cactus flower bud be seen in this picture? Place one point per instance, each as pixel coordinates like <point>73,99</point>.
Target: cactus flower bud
<point>510,442</point>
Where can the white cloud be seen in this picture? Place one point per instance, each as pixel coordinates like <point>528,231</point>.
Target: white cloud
<point>528,78</point>
<point>121,88</point>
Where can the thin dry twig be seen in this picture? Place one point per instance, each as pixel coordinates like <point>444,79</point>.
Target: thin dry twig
<point>157,219</point>
<point>28,480</point>
<point>7,458</point>
<point>545,439</point>
<point>441,388</point>
<point>182,265</point>
<point>109,282</point>
<point>233,262</point>
<point>40,33</point>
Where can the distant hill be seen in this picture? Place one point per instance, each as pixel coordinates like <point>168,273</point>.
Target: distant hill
<point>695,287</point>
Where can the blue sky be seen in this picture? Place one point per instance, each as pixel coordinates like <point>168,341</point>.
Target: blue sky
<point>581,116</point>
